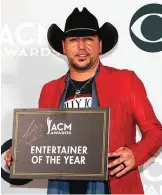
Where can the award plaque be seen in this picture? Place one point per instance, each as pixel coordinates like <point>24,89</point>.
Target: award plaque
<point>64,144</point>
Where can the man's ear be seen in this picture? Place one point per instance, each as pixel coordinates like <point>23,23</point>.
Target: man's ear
<point>63,46</point>
<point>100,45</point>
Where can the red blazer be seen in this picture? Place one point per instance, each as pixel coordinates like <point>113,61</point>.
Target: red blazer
<point>124,93</point>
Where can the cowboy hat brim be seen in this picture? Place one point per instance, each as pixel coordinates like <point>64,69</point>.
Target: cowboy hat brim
<point>107,33</point>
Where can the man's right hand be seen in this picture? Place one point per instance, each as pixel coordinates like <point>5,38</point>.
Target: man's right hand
<point>8,158</point>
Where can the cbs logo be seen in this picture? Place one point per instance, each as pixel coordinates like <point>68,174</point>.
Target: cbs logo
<point>146,28</point>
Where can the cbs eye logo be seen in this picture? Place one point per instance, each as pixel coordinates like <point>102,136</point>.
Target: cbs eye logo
<point>146,28</point>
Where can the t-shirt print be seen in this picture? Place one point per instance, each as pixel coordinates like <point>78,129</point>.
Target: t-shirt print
<point>84,100</point>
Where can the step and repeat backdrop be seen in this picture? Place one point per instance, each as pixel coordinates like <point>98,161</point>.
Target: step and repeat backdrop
<point>28,62</point>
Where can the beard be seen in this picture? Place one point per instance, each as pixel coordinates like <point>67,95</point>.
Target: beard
<point>83,67</point>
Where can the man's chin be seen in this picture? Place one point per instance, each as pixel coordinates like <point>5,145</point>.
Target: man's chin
<point>81,67</point>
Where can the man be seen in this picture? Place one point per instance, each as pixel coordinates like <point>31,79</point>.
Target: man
<point>90,84</point>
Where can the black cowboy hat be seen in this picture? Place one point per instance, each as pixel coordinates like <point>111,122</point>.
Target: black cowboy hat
<point>82,24</point>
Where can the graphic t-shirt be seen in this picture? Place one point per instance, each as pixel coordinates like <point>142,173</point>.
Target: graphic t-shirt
<point>84,100</point>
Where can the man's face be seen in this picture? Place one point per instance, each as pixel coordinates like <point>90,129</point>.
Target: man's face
<point>82,52</point>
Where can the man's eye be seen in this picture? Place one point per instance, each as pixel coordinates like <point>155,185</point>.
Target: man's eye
<point>73,39</point>
<point>88,39</point>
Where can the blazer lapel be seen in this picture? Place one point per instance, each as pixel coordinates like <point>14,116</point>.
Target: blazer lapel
<point>103,86</point>
<point>60,87</point>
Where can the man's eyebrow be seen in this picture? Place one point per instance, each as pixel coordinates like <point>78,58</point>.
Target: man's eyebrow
<point>72,37</point>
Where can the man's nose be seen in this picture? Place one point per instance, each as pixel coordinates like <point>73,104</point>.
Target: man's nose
<point>81,44</point>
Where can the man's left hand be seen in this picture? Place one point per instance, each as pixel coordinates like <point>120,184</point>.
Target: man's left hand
<point>126,156</point>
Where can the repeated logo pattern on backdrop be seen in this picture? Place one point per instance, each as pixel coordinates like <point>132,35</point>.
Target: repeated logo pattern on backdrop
<point>150,29</point>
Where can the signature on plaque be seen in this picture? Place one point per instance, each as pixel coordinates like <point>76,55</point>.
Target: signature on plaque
<point>34,132</point>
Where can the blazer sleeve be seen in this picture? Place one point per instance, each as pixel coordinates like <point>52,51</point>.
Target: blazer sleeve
<point>42,103</point>
<point>147,121</point>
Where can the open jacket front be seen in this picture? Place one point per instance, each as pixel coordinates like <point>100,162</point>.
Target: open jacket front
<point>124,93</point>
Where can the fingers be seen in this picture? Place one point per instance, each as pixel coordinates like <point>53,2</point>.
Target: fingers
<point>8,163</point>
<point>8,157</point>
<point>119,149</point>
<point>115,154</point>
<point>118,169</point>
<point>125,155</point>
<point>124,171</point>
<point>116,162</point>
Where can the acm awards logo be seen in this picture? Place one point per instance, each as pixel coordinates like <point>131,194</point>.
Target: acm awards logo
<point>58,128</point>
<point>147,22</point>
